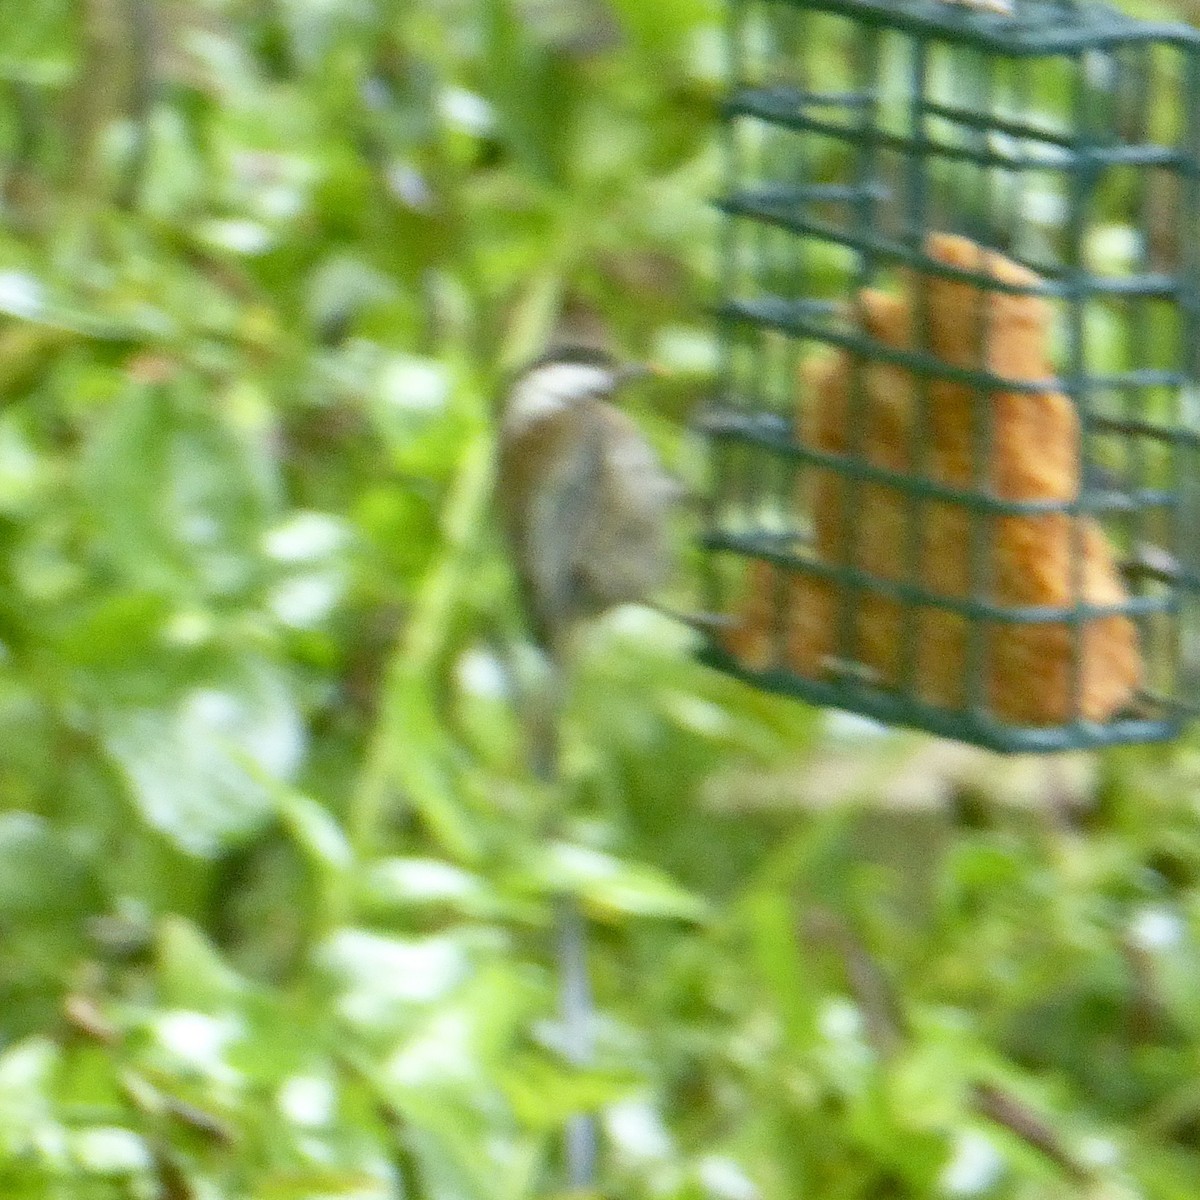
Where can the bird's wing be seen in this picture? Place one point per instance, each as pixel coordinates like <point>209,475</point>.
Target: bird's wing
<point>626,554</point>
<point>631,463</point>
<point>560,512</point>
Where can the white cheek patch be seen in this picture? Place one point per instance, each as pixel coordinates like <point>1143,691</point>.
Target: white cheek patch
<point>549,389</point>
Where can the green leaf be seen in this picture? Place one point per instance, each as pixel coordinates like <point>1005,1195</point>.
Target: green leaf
<point>416,884</point>
<point>928,1086</point>
<point>659,28</point>
<point>179,501</point>
<point>191,973</point>
<point>381,980</point>
<point>612,888</point>
<point>27,1073</point>
<point>532,89</point>
<point>772,921</point>
<point>194,762</point>
<point>40,872</point>
<point>110,1150</point>
<point>325,1183</point>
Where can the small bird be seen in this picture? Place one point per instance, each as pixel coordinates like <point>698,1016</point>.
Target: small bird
<point>585,500</point>
<point>586,505</point>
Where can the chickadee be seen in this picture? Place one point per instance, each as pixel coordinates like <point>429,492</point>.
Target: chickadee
<point>585,501</point>
<point>586,505</point>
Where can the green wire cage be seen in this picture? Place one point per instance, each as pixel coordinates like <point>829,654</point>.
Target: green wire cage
<point>955,447</point>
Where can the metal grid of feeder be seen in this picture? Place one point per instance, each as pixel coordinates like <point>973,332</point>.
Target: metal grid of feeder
<point>1063,136</point>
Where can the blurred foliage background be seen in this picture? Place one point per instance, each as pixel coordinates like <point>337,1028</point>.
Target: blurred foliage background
<point>275,882</point>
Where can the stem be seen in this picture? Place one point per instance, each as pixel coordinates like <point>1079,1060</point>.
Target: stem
<point>408,747</point>
<point>141,96</point>
<point>545,714</point>
<point>575,1001</point>
<point>886,1029</point>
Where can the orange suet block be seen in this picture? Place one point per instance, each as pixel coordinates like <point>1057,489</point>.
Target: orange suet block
<point>1049,560</point>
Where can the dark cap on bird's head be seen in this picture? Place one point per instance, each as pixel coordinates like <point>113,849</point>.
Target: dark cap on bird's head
<point>583,354</point>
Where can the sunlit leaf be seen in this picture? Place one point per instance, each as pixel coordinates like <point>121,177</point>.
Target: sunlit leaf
<point>194,763</point>
<point>192,973</point>
<point>382,978</point>
<point>423,883</point>
<point>611,887</point>
<point>179,502</point>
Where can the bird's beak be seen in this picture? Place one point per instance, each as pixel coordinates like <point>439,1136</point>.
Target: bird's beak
<point>638,371</point>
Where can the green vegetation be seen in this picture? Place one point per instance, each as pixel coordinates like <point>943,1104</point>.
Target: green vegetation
<point>275,882</point>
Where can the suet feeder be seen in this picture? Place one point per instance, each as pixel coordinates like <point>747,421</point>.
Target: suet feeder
<point>955,448</point>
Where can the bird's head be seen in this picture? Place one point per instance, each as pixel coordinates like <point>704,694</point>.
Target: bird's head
<point>562,378</point>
